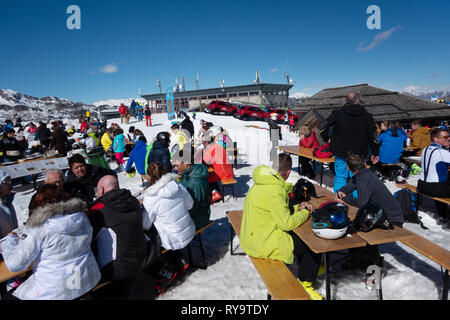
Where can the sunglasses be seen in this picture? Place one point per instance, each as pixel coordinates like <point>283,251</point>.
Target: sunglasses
<point>445,137</point>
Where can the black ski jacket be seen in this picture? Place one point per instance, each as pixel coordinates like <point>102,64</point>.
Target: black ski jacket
<point>353,129</point>
<point>121,214</point>
<point>370,188</point>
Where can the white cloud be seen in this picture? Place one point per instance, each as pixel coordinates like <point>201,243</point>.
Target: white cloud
<point>109,68</point>
<point>379,38</point>
<point>273,70</point>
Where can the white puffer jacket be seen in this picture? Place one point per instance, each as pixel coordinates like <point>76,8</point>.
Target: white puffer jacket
<point>166,204</point>
<point>57,240</point>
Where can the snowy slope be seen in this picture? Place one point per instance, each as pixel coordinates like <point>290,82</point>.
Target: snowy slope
<point>409,275</point>
<point>118,102</point>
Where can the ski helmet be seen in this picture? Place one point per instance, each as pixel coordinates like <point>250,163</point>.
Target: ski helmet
<point>330,220</point>
<point>163,137</point>
<point>369,217</point>
<point>28,152</point>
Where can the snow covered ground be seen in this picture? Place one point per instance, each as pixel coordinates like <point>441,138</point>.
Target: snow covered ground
<point>408,274</point>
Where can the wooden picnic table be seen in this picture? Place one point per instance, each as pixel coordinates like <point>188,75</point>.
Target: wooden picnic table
<point>356,240</point>
<point>307,153</point>
<point>6,275</point>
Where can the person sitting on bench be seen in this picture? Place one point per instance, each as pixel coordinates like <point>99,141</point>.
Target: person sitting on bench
<point>391,142</point>
<point>119,243</point>
<point>434,178</point>
<point>307,140</point>
<point>194,177</point>
<point>369,188</point>
<point>8,217</point>
<point>56,239</point>
<point>166,206</point>
<point>420,136</point>
<point>267,223</point>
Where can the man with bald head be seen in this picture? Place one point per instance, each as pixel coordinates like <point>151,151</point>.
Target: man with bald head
<point>119,242</point>
<point>351,129</point>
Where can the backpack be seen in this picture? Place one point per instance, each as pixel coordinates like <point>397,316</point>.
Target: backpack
<point>303,191</point>
<point>323,152</point>
<point>408,202</point>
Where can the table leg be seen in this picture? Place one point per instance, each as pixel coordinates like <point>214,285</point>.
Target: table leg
<point>327,275</point>
<point>35,181</point>
<point>445,289</point>
<point>321,173</point>
<point>298,165</point>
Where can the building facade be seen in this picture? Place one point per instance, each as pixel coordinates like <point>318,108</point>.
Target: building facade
<point>266,94</point>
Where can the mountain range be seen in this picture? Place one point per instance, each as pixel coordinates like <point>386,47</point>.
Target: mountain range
<point>30,108</point>
<point>48,108</point>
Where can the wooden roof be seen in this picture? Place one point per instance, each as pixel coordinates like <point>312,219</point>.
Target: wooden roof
<point>382,104</point>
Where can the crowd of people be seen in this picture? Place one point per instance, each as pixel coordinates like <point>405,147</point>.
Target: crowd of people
<point>115,239</point>
<point>84,229</point>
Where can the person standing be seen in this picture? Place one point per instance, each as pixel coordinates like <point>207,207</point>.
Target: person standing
<point>133,106</point>
<point>140,112</point>
<point>354,130</point>
<point>88,115</point>
<point>119,148</point>
<point>148,117</point>
<point>123,112</point>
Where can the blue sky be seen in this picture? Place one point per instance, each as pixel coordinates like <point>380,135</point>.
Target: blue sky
<point>126,45</point>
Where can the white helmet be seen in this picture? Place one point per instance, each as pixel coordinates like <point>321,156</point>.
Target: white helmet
<point>273,116</point>
<point>330,234</point>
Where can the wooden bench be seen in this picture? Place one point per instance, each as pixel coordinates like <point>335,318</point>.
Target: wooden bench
<point>228,183</point>
<point>435,253</point>
<point>281,284</point>
<point>6,275</point>
<point>198,238</point>
<point>414,189</point>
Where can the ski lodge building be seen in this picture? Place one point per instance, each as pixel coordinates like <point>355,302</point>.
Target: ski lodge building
<point>267,94</point>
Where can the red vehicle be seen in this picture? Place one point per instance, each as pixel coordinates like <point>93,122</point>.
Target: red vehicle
<point>217,106</point>
<point>250,112</point>
<point>281,115</point>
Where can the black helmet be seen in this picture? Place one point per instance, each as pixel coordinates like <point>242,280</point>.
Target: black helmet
<point>163,137</point>
<point>369,217</point>
<point>330,220</point>
<point>28,152</point>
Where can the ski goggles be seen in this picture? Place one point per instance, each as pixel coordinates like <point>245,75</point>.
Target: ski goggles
<point>335,219</point>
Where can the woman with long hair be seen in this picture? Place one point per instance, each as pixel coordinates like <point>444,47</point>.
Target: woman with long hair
<point>56,239</point>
